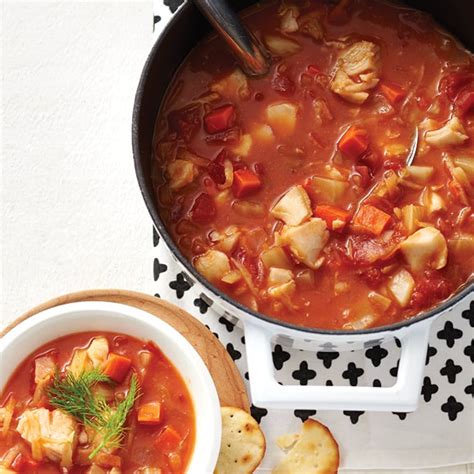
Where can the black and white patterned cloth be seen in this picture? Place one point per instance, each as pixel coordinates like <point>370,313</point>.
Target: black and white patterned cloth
<point>439,433</point>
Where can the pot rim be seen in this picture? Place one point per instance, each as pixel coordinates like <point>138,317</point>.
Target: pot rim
<point>447,304</point>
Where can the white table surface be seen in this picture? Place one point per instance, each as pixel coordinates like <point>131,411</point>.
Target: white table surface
<point>72,215</point>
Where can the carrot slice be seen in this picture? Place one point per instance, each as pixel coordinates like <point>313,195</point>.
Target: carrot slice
<point>354,142</point>
<point>392,92</point>
<point>336,218</point>
<point>149,413</point>
<point>219,119</point>
<point>116,367</point>
<point>168,439</point>
<point>246,182</point>
<point>371,220</point>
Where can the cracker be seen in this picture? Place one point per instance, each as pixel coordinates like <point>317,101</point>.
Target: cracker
<point>242,445</point>
<point>313,451</point>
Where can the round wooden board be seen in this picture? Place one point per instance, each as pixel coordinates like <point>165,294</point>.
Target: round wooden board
<point>229,384</point>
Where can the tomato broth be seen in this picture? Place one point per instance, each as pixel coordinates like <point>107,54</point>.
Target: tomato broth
<point>291,192</point>
<point>159,430</point>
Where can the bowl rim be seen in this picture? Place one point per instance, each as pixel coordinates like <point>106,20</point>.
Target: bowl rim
<point>197,374</point>
<point>462,292</point>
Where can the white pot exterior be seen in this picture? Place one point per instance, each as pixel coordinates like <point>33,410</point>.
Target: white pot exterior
<point>72,318</point>
<point>403,396</point>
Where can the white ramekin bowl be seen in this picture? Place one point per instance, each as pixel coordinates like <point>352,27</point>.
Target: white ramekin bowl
<point>72,318</point>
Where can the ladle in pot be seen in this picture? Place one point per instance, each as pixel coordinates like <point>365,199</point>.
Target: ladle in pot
<point>251,54</point>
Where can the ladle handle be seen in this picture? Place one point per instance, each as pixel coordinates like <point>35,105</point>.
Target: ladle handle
<point>251,54</point>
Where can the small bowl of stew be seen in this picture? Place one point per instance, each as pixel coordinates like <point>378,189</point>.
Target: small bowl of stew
<point>97,387</point>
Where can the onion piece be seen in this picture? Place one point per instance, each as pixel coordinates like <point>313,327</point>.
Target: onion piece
<point>248,208</point>
<point>6,414</point>
<point>229,175</point>
<point>281,46</point>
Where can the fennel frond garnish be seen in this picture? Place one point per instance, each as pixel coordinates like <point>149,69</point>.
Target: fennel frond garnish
<point>73,395</point>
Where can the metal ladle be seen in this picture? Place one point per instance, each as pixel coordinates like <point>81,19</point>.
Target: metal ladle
<point>251,54</point>
<point>413,148</point>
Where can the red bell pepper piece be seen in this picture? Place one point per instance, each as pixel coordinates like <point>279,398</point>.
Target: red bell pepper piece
<point>219,119</point>
<point>354,143</point>
<point>203,209</point>
<point>371,220</point>
<point>336,218</point>
<point>246,182</point>
<point>392,92</point>
<point>116,367</point>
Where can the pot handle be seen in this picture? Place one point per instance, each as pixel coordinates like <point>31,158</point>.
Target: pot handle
<point>403,396</point>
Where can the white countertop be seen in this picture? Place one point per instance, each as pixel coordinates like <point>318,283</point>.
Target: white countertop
<point>72,215</point>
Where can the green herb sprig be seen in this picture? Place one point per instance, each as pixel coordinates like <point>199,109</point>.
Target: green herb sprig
<point>73,395</point>
<point>113,429</point>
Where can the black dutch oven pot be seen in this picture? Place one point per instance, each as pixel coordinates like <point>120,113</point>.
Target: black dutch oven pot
<point>185,29</point>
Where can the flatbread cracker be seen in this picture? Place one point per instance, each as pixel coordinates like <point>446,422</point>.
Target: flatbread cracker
<point>243,443</point>
<point>313,451</point>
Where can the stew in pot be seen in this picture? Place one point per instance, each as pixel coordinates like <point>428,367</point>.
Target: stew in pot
<point>292,192</point>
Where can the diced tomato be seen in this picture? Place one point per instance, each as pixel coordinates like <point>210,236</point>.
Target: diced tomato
<point>216,172</point>
<point>313,70</point>
<point>451,84</point>
<point>372,275</point>
<point>395,165</point>
<point>431,288</point>
<point>364,251</point>
<point>250,262</point>
<point>220,119</point>
<point>282,83</point>
<point>216,168</point>
<point>116,367</point>
<point>464,102</point>
<point>336,218</point>
<point>108,460</point>
<point>168,439</point>
<point>23,463</point>
<point>186,121</point>
<point>245,183</point>
<point>392,92</point>
<point>203,209</point>
<point>354,142</point>
<point>149,413</point>
<point>371,220</point>
<point>364,174</point>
